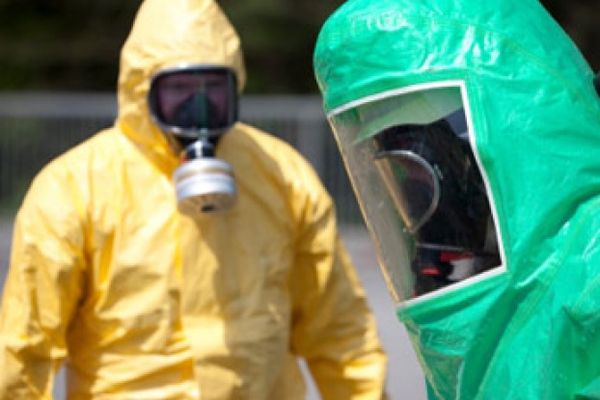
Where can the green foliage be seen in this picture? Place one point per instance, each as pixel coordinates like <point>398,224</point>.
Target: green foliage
<point>581,20</point>
<point>74,44</point>
<point>278,38</point>
<point>62,44</point>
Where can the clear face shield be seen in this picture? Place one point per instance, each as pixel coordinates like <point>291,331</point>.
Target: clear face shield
<point>194,106</point>
<point>420,188</point>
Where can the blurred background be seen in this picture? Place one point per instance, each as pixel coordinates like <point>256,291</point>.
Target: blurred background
<point>59,64</point>
<point>74,45</point>
<point>58,71</point>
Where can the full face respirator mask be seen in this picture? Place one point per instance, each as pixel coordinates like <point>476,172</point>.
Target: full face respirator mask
<point>194,106</point>
<point>436,187</point>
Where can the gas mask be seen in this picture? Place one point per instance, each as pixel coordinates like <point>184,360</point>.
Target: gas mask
<point>194,106</point>
<point>420,187</point>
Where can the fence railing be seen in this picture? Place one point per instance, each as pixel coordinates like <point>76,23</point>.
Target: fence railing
<point>36,127</point>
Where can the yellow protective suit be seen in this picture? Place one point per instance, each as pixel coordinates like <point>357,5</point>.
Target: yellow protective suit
<point>146,303</point>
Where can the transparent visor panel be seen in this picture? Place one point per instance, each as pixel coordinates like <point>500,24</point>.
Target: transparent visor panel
<point>194,99</point>
<point>420,189</point>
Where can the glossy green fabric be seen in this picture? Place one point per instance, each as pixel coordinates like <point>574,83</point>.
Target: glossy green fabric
<point>532,332</point>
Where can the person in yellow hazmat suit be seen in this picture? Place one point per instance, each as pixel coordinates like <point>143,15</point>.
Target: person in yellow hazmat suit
<point>181,254</point>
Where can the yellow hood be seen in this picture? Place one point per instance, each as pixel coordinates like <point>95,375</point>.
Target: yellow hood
<point>143,302</point>
<point>168,33</point>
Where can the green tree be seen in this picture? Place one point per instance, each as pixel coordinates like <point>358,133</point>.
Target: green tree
<point>74,44</point>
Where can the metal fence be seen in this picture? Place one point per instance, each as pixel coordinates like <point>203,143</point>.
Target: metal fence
<point>36,127</point>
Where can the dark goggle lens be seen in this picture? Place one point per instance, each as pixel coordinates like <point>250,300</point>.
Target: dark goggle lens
<point>195,99</point>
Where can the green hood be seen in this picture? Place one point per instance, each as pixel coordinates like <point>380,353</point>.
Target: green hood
<point>532,332</point>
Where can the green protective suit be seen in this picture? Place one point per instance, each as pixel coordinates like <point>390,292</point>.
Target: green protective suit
<point>144,302</point>
<point>533,331</point>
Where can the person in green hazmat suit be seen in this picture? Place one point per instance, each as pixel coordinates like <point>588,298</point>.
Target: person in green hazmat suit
<point>471,134</point>
<point>181,254</point>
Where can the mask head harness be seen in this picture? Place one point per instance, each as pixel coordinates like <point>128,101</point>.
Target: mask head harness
<point>194,105</point>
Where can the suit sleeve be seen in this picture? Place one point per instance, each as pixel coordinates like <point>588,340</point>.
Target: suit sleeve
<point>333,328</point>
<point>42,289</point>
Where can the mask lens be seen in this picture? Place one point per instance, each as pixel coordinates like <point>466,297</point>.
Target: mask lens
<point>412,183</point>
<point>195,99</point>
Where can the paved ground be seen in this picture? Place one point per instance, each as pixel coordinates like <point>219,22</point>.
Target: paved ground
<point>405,379</point>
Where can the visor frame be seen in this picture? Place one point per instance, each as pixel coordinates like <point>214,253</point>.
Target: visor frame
<point>347,139</point>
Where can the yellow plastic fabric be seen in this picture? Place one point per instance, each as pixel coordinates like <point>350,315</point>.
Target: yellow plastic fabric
<point>146,303</point>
